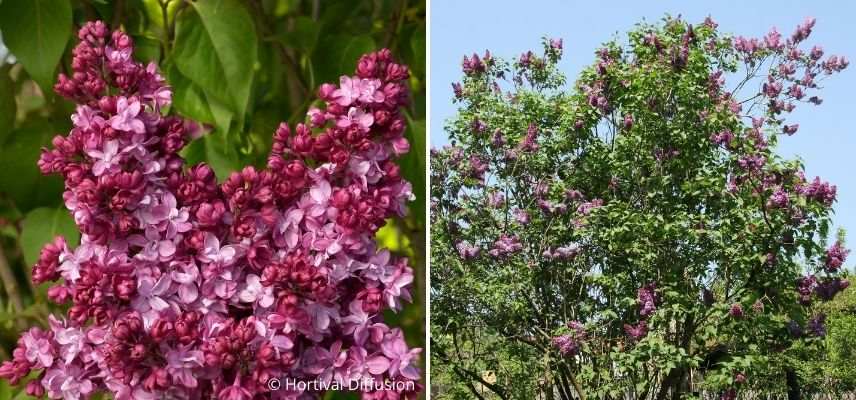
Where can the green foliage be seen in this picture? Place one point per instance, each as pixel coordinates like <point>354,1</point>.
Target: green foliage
<point>41,226</point>
<point>8,108</point>
<point>19,175</point>
<point>827,366</point>
<point>216,48</point>
<point>36,32</point>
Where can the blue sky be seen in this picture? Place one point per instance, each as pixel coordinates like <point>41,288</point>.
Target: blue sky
<point>826,140</point>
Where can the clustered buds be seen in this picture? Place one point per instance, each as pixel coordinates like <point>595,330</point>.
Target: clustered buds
<point>186,288</point>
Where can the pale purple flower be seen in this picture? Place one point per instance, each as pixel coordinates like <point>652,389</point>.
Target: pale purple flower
<point>215,254</point>
<point>187,278</point>
<point>38,348</point>
<point>152,296</point>
<point>87,118</point>
<point>254,291</point>
<point>126,118</point>
<point>67,382</point>
<point>352,89</point>
<point>400,357</point>
<point>357,322</point>
<point>356,117</point>
<point>71,340</point>
<point>183,365</point>
<point>107,159</point>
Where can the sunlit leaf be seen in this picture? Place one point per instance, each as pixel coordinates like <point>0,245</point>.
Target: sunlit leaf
<point>36,32</point>
<point>41,226</point>
<point>216,48</point>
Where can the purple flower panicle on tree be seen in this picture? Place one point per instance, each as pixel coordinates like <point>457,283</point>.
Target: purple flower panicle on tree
<point>569,344</point>
<point>647,297</point>
<point>835,256</point>
<point>736,310</point>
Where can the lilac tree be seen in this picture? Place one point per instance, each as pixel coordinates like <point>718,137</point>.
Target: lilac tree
<point>636,236</point>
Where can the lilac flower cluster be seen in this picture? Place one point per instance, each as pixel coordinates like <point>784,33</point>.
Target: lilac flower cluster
<point>530,141</point>
<point>183,288</point>
<point>569,344</point>
<point>779,199</point>
<point>723,138</point>
<point>505,245</point>
<point>475,65</point>
<point>825,288</point>
<point>736,310</point>
<point>587,207</point>
<point>647,297</point>
<point>820,191</point>
<point>816,326</point>
<point>563,253</point>
<point>835,256</point>
<point>467,251</point>
<point>805,287</point>
<point>638,331</point>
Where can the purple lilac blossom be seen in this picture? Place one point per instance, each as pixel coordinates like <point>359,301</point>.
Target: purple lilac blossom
<point>185,288</point>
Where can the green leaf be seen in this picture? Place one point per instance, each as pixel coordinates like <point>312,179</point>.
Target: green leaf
<point>413,167</point>
<point>146,49</point>
<point>216,47</point>
<point>222,116</point>
<point>222,160</point>
<point>41,226</point>
<point>338,55</point>
<point>36,32</point>
<point>188,98</point>
<point>304,35</point>
<point>19,174</point>
<point>8,108</point>
<point>417,46</point>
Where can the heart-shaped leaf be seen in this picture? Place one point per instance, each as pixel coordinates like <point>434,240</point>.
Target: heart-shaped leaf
<point>41,226</point>
<point>19,175</point>
<point>36,32</point>
<point>216,48</point>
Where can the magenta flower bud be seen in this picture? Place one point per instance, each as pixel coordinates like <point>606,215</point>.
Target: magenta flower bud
<point>59,294</point>
<point>397,72</point>
<point>125,287</point>
<point>316,117</point>
<point>158,379</point>
<point>138,352</point>
<point>186,326</point>
<point>302,143</point>
<point>341,198</point>
<point>366,67</point>
<point>35,388</point>
<point>371,299</point>
<point>325,92</point>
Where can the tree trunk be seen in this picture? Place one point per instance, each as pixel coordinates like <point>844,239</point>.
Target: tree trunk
<point>793,384</point>
<point>671,381</point>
